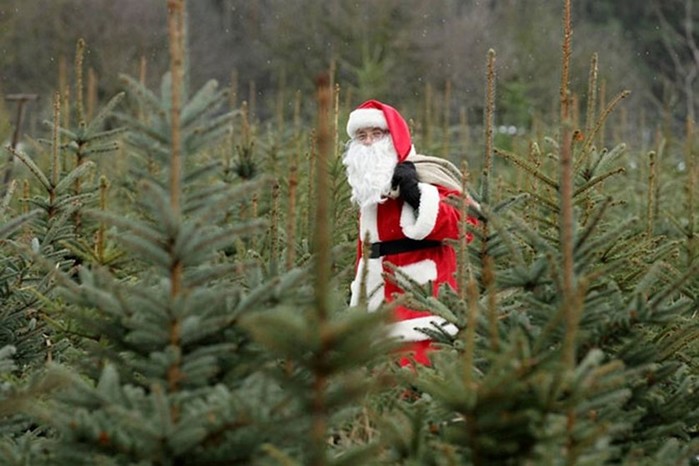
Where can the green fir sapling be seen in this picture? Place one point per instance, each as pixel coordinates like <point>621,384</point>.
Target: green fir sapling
<point>574,355</point>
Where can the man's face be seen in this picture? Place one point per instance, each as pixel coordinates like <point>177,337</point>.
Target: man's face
<point>370,160</point>
<point>368,136</point>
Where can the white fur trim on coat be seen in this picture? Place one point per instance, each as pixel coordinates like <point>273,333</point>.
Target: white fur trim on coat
<point>422,271</point>
<point>418,228</point>
<point>409,330</point>
<point>368,223</point>
<point>365,118</point>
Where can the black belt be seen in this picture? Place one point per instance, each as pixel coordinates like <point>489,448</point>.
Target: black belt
<point>386,248</point>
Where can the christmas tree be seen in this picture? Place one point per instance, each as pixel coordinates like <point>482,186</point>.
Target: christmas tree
<point>577,340</point>
<point>184,272</point>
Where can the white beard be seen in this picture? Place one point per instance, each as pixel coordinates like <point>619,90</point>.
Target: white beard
<point>370,170</point>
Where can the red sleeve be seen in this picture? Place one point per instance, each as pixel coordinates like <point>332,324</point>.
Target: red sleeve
<point>436,218</point>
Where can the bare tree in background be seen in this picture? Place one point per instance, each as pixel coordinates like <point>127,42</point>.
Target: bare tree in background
<point>679,39</point>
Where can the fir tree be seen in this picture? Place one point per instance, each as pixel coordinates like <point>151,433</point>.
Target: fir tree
<point>573,351</point>
<point>169,376</point>
<point>207,321</point>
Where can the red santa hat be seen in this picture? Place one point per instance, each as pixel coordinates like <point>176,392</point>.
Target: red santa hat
<point>374,114</point>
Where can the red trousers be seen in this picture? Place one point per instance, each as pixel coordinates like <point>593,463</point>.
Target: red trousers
<point>416,352</point>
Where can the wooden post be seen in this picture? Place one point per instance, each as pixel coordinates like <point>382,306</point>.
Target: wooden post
<point>21,100</point>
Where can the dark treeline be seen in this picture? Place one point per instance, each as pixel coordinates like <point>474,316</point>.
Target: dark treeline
<point>397,50</point>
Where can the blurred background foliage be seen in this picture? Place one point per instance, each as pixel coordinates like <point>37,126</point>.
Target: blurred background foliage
<point>158,329</point>
<point>395,50</point>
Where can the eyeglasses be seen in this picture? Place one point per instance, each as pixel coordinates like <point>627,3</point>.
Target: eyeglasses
<point>367,136</point>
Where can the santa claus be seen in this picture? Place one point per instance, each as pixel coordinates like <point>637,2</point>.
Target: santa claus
<point>401,197</point>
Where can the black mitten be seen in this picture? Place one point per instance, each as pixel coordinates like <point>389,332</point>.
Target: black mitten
<point>405,179</point>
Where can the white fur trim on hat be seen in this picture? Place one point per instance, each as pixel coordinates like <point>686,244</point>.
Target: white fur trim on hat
<point>365,118</point>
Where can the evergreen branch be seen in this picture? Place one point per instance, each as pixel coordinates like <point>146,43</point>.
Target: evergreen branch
<point>46,263</point>
<point>602,118</point>
<point>632,250</point>
<point>669,313</point>
<point>151,131</point>
<point>606,157</point>
<point>58,129</point>
<point>189,244</point>
<point>142,301</point>
<point>659,298</point>
<point>148,251</point>
<point>69,179</point>
<point>200,171</point>
<point>6,363</point>
<point>565,67</point>
<point>79,91</point>
<point>203,197</point>
<point>651,276</point>
<point>651,197</point>
<point>103,149</point>
<point>679,340</point>
<point>36,171</point>
<point>489,127</point>
<point>109,135</point>
<point>522,227</point>
<point>58,224</point>
<point>159,200</point>
<point>546,202</point>
<point>531,169</point>
<point>206,210</point>
<point>55,127</point>
<point>594,221</point>
<point>145,96</point>
<point>153,152</point>
<point>682,227</point>
<point>504,235</point>
<point>472,299</point>
<point>416,297</point>
<point>659,249</point>
<point>136,227</point>
<point>597,180</point>
<point>610,238</point>
<point>591,94</point>
<point>7,228</point>
<point>285,325</point>
<point>104,300</point>
<point>205,100</point>
<point>24,399</point>
<point>7,198</point>
<point>87,252</point>
<point>591,107</point>
<point>199,142</point>
<point>209,273</point>
<point>260,294</point>
<point>507,203</point>
<point>177,82</point>
<point>206,131</point>
<point>102,115</point>
<point>72,199</point>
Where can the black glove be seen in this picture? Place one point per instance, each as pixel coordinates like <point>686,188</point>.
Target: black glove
<point>405,179</point>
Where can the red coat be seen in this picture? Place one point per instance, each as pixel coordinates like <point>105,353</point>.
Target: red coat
<point>392,220</point>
